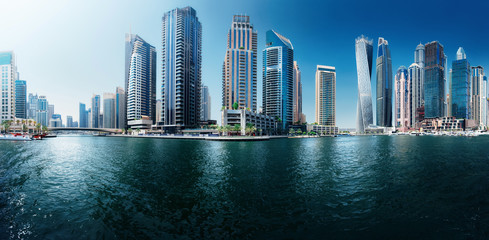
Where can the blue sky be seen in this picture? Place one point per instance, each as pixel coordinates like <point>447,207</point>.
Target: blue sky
<point>69,50</point>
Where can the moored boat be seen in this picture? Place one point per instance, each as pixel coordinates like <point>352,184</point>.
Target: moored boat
<point>15,137</point>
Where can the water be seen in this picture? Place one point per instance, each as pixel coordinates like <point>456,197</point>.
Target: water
<point>391,187</point>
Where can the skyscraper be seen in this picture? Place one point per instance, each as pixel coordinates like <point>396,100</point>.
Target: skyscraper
<point>476,94</point>
<point>9,73</point>
<point>120,108</point>
<point>484,102</point>
<point>181,67</point>
<point>205,104</point>
<point>402,99</point>
<point>32,106</point>
<point>460,86</point>
<point>50,111</point>
<point>239,69</point>
<point>20,99</point>
<point>297,99</point>
<point>96,112</point>
<point>434,81</point>
<point>384,84</point>
<point>363,52</point>
<point>326,95</point>
<point>415,76</point>
<point>69,121</point>
<point>83,116</point>
<point>278,78</point>
<point>109,110</point>
<point>140,80</point>
<point>419,55</point>
<point>42,111</point>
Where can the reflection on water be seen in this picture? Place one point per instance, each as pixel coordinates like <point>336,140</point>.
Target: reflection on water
<point>346,187</point>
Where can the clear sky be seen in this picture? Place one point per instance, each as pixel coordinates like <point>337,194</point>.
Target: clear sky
<point>69,50</point>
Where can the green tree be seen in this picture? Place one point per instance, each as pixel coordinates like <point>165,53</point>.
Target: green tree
<point>24,128</point>
<point>237,128</point>
<point>129,131</point>
<point>38,128</point>
<point>291,131</point>
<point>235,105</point>
<point>227,129</point>
<point>250,128</point>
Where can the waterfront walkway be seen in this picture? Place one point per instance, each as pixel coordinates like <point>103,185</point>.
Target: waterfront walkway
<point>204,137</point>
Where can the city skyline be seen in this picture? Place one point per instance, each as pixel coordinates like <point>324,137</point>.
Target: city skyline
<point>61,89</point>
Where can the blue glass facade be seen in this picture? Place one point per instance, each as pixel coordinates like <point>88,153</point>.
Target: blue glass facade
<point>96,112</point>
<point>384,85</point>
<point>20,99</point>
<point>181,67</point>
<point>83,117</point>
<point>278,78</point>
<point>363,53</point>
<point>434,81</point>
<point>460,89</point>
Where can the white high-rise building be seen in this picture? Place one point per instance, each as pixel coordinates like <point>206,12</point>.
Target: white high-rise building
<point>140,81</point>
<point>363,52</point>
<point>402,108</point>
<point>8,72</point>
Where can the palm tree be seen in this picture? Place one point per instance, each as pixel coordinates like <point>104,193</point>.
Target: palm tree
<point>44,129</point>
<point>291,131</point>
<point>249,128</point>
<point>24,128</point>
<point>38,128</point>
<point>227,128</point>
<point>220,129</point>
<point>236,128</point>
<point>129,131</point>
<point>138,130</point>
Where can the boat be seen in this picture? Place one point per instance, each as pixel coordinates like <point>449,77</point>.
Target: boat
<point>15,137</point>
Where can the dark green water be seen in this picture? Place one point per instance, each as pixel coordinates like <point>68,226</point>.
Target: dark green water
<point>397,187</point>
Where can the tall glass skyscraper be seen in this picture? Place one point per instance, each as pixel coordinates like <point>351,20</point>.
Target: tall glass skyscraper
<point>239,69</point>
<point>8,72</point>
<point>140,79</point>
<point>403,99</point>
<point>477,94</point>
<point>278,79</point>
<point>205,104</point>
<point>32,106</point>
<point>120,108</point>
<point>181,67</point>
<point>326,95</point>
<point>460,86</point>
<point>384,84</point>
<point>96,112</point>
<point>109,110</point>
<point>42,111</point>
<point>419,55</point>
<point>297,115</point>
<point>363,52</point>
<point>20,99</point>
<point>415,76</point>
<point>434,81</point>
<point>83,116</point>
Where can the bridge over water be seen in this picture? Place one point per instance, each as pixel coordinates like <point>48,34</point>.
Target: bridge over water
<point>108,130</point>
